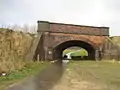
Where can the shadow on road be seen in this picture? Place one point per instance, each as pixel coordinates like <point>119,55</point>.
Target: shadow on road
<point>45,80</point>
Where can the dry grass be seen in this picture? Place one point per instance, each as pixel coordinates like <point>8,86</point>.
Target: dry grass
<point>90,75</point>
<point>8,66</point>
<point>13,48</point>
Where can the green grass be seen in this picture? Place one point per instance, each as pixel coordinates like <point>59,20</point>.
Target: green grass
<point>80,53</point>
<point>68,50</point>
<point>106,73</point>
<point>83,52</point>
<point>31,69</point>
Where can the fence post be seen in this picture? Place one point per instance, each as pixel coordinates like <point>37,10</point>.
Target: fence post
<point>97,55</point>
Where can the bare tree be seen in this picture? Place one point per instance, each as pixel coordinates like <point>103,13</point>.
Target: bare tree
<point>24,28</point>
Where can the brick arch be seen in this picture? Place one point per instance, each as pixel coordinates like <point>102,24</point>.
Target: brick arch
<point>60,41</point>
<point>57,51</point>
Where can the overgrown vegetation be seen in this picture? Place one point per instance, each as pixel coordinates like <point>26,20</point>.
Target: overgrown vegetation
<point>13,47</point>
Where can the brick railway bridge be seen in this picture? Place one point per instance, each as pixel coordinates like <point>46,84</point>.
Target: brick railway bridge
<point>53,38</point>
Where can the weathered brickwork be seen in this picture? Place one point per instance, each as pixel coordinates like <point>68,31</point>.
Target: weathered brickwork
<point>55,34</point>
<point>77,29</point>
<point>93,40</point>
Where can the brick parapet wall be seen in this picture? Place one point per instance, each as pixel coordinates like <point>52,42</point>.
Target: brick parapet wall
<point>78,29</point>
<point>44,26</point>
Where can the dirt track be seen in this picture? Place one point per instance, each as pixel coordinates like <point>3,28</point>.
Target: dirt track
<point>62,77</point>
<point>72,80</point>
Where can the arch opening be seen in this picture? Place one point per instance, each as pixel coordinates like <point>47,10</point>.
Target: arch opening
<point>74,52</point>
<point>58,52</point>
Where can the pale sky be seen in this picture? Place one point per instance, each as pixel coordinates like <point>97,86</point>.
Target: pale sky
<point>81,12</point>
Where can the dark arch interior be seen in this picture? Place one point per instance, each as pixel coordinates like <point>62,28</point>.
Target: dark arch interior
<point>58,50</point>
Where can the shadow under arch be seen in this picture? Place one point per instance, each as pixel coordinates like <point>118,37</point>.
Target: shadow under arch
<point>57,51</point>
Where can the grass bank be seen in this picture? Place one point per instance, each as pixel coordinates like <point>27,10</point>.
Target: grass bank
<point>103,73</point>
<point>16,75</point>
<point>82,52</point>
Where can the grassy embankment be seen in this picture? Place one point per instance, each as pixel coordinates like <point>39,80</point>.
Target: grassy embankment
<point>13,48</point>
<point>103,73</point>
<point>17,75</point>
<point>82,52</point>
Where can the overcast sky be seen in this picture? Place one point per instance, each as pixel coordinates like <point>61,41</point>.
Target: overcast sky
<point>81,12</point>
